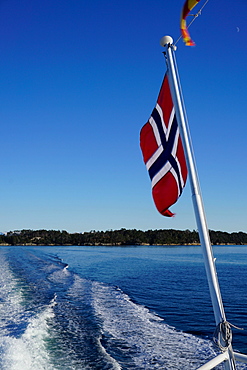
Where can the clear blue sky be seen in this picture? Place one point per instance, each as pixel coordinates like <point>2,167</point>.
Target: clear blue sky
<point>78,79</point>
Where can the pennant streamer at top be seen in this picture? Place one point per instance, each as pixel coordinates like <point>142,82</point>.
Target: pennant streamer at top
<point>188,6</point>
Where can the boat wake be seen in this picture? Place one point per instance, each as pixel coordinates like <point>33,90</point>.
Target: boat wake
<point>23,334</point>
<point>142,338</point>
<point>53,318</point>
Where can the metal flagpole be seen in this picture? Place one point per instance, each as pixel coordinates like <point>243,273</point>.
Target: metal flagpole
<point>224,331</point>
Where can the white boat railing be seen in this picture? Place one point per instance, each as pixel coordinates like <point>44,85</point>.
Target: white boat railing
<point>221,358</point>
<point>214,362</point>
<point>240,357</point>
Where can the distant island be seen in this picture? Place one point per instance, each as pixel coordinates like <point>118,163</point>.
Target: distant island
<point>118,237</point>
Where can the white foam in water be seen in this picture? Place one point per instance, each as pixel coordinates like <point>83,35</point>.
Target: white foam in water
<point>115,364</point>
<point>10,296</point>
<point>131,337</point>
<point>29,351</point>
<point>82,286</point>
<point>59,275</point>
<point>144,337</point>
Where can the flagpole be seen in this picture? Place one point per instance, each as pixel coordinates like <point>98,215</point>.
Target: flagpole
<point>209,261</point>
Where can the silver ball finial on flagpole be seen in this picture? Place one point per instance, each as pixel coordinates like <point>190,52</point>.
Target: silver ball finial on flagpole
<point>166,40</point>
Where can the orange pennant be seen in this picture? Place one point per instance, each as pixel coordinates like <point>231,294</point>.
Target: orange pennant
<point>188,6</point>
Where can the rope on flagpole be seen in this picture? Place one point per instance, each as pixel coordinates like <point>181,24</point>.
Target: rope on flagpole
<point>194,18</point>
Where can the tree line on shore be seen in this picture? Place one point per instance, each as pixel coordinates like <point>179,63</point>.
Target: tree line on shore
<point>118,237</point>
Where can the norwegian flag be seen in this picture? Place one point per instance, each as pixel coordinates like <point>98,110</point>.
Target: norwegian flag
<point>163,152</point>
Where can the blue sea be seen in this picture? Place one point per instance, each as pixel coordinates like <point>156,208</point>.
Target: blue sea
<point>102,308</point>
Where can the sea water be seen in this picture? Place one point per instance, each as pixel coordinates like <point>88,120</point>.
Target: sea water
<point>106,308</point>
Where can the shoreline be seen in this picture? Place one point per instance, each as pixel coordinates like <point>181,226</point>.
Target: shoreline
<point>112,245</point>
